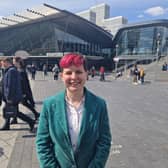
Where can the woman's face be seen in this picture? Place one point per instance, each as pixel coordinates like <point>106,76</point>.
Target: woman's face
<point>15,63</point>
<point>74,78</point>
<point>4,64</point>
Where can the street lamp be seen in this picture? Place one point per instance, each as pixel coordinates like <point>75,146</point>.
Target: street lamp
<point>167,48</point>
<point>158,46</point>
<point>158,41</point>
<point>116,59</point>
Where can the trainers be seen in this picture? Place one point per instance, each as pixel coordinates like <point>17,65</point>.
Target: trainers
<point>32,126</point>
<point>5,127</point>
<point>14,121</point>
<point>37,115</point>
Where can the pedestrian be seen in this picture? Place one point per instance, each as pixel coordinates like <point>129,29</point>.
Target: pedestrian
<point>45,70</point>
<point>55,70</point>
<point>27,96</point>
<point>0,92</point>
<point>33,72</point>
<point>135,74</point>
<point>92,71</point>
<point>1,77</point>
<point>102,73</point>
<point>73,127</point>
<point>12,93</point>
<point>142,75</point>
<point>164,67</point>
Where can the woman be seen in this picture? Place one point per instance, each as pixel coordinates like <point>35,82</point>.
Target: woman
<point>73,128</point>
<point>27,100</point>
<point>102,71</point>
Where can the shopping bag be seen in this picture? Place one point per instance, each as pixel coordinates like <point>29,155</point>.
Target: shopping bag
<point>10,110</point>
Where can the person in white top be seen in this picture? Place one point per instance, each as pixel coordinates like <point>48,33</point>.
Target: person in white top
<point>74,127</point>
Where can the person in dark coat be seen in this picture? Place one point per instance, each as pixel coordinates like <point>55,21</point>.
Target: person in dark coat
<point>45,70</point>
<point>0,92</point>
<point>102,73</point>
<point>1,77</point>
<point>27,96</point>
<point>33,72</point>
<point>12,92</point>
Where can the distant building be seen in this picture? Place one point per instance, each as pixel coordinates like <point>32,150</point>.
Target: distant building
<point>114,24</point>
<point>88,15</point>
<point>142,41</point>
<point>100,15</point>
<point>102,12</point>
<point>47,33</point>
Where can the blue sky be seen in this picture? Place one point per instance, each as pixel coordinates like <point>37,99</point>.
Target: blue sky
<point>133,10</point>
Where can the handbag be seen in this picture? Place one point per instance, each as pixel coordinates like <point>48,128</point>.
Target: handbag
<point>10,110</point>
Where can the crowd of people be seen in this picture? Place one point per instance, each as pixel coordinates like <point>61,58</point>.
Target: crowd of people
<point>32,69</point>
<point>66,120</point>
<point>101,72</point>
<point>138,75</point>
<point>15,89</point>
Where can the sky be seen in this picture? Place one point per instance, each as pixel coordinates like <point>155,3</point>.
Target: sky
<point>133,10</point>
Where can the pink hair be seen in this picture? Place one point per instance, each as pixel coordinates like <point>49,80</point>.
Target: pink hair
<point>72,59</point>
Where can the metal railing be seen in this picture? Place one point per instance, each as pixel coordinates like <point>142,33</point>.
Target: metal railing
<point>135,60</point>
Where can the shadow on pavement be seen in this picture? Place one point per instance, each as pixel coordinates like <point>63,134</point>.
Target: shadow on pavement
<point>1,151</point>
<point>39,102</point>
<point>19,129</point>
<point>147,82</point>
<point>29,136</point>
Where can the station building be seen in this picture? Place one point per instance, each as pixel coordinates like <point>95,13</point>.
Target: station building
<point>141,41</point>
<point>49,32</point>
<point>46,33</point>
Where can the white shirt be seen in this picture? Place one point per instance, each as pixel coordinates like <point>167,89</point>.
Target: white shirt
<point>74,120</point>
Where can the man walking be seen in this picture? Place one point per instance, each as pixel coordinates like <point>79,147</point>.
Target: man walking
<point>27,95</point>
<point>12,92</point>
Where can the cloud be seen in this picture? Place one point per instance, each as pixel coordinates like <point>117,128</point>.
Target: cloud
<point>7,3</point>
<point>156,11</point>
<point>140,16</point>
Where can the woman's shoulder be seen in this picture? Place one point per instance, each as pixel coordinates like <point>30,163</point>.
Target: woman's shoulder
<point>54,98</point>
<point>11,69</point>
<point>94,97</point>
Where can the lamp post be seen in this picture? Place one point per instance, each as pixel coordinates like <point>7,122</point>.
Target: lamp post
<point>158,47</point>
<point>158,41</point>
<point>116,59</point>
<point>167,49</point>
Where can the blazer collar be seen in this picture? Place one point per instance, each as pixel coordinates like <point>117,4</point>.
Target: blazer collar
<point>61,112</point>
<point>87,116</point>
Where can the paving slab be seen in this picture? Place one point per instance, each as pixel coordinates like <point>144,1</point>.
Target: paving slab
<point>138,118</point>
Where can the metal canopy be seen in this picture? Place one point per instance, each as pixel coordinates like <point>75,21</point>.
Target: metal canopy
<point>66,21</point>
<point>30,14</point>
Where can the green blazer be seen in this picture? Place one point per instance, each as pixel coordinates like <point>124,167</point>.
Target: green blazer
<point>53,143</point>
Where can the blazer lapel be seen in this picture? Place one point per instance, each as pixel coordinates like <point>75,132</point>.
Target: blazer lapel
<point>61,115</point>
<point>63,123</point>
<point>89,110</point>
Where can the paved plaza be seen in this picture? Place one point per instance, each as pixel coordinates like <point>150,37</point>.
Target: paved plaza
<point>138,118</point>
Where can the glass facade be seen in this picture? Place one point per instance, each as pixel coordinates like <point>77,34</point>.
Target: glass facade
<point>65,42</point>
<point>48,36</point>
<point>143,41</point>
